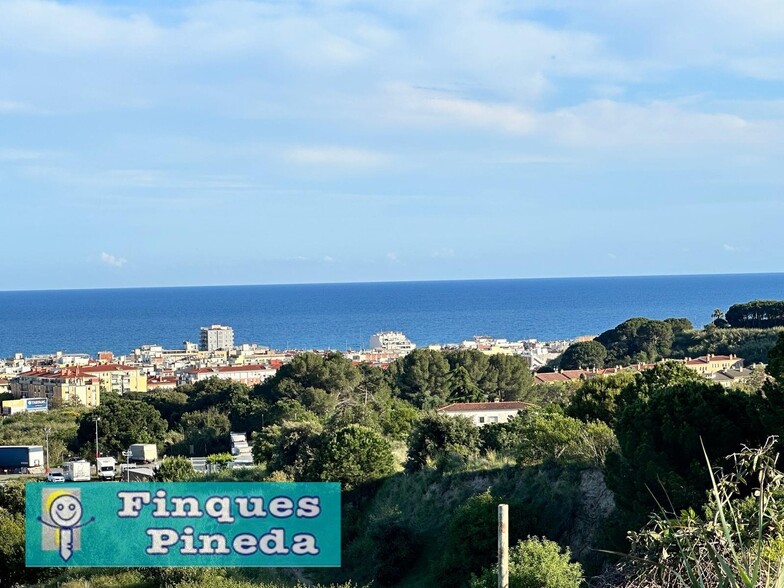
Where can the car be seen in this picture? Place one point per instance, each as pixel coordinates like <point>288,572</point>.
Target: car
<point>55,477</point>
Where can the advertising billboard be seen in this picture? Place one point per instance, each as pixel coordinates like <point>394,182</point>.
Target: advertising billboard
<point>201,524</point>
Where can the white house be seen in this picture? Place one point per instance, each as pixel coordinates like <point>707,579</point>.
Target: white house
<point>483,413</point>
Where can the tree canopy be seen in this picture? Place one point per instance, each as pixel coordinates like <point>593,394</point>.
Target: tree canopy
<point>583,355</point>
<point>760,314</point>
<point>121,423</point>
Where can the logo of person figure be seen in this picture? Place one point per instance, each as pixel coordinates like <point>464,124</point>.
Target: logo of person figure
<point>66,512</point>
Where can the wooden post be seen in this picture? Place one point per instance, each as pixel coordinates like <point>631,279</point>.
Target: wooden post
<point>503,546</point>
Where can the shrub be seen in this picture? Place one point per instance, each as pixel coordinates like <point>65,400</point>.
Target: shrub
<point>535,563</point>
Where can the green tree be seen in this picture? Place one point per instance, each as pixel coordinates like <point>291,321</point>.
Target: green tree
<point>397,419</point>
<point>206,430</point>
<point>583,355</point>
<point>679,325</point>
<point>12,550</point>
<point>353,455</point>
<point>12,497</point>
<point>508,377</point>
<point>471,539</point>
<point>759,314</point>
<point>595,398</point>
<point>535,563</point>
<point>318,382</point>
<point>395,552</point>
<point>637,340</point>
<point>474,362</point>
<point>421,378</point>
<point>544,434</point>
<point>435,435</point>
<point>289,448</point>
<point>462,388</point>
<point>175,469</point>
<point>170,403</point>
<point>776,360</point>
<point>661,431</point>
<point>121,423</point>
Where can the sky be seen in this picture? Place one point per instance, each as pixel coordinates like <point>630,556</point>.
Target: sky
<point>209,142</point>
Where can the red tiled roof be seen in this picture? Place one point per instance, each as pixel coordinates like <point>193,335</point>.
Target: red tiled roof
<point>107,367</point>
<point>547,377</point>
<point>229,369</point>
<point>462,406</point>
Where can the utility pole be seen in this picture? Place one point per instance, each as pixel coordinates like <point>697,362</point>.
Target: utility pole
<point>503,546</point>
<point>97,453</point>
<point>47,430</point>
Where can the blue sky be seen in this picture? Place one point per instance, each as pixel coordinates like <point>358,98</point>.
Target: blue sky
<point>271,142</point>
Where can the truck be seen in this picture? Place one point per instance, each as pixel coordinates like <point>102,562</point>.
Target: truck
<point>106,468</point>
<point>77,471</point>
<point>134,473</point>
<point>143,453</point>
<point>21,459</point>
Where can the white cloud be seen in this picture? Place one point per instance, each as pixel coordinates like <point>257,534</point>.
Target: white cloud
<point>329,259</point>
<point>392,257</point>
<point>112,260</point>
<point>728,247</point>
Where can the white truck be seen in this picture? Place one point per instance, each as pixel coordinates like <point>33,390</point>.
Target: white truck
<point>106,468</point>
<point>77,471</point>
<point>143,453</point>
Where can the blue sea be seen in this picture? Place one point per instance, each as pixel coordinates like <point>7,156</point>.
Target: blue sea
<point>341,316</point>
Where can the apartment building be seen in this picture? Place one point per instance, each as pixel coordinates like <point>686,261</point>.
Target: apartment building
<point>59,386</point>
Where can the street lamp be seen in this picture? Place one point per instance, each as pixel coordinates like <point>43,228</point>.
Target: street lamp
<point>97,454</point>
<point>47,430</point>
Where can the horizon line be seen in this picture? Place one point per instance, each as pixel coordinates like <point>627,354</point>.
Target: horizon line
<point>362,282</point>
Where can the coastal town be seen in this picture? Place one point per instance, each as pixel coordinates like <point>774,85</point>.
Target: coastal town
<point>38,381</point>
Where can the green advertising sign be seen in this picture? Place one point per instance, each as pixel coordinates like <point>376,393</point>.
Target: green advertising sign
<point>183,524</point>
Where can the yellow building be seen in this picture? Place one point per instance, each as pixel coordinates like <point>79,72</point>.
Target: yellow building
<point>711,364</point>
<point>117,378</point>
<point>66,386</point>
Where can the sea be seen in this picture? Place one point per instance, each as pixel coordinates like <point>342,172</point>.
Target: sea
<point>344,316</point>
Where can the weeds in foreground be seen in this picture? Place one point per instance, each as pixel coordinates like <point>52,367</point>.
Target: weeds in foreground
<point>737,542</point>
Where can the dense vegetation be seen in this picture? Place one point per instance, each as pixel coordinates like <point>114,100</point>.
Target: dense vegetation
<point>757,314</point>
<point>589,462</point>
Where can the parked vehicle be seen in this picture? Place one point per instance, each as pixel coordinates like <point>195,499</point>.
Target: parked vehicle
<point>143,453</point>
<point>77,471</point>
<point>135,473</point>
<point>55,476</point>
<point>106,468</point>
<point>20,459</point>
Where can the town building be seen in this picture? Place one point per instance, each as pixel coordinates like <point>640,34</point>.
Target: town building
<point>710,364</point>
<point>161,383</point>
<point>59,386</point>
<point>485,413</point>
<point>216,337</point>
<point>393,341</point>
<point>244,374</point>
<point>117,378</point>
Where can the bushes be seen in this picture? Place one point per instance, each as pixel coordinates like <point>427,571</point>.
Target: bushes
<point>353,455</point>
<point>535,563</point>
<point>395,550</point>
<point>175,469</point>
<point>737,542</point>
<point>435,436</point>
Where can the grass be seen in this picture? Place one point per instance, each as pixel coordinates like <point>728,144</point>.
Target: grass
<point>738,543</point>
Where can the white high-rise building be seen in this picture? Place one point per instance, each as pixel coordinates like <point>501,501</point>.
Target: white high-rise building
<point>391,341</point>
<point>216,337</point>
